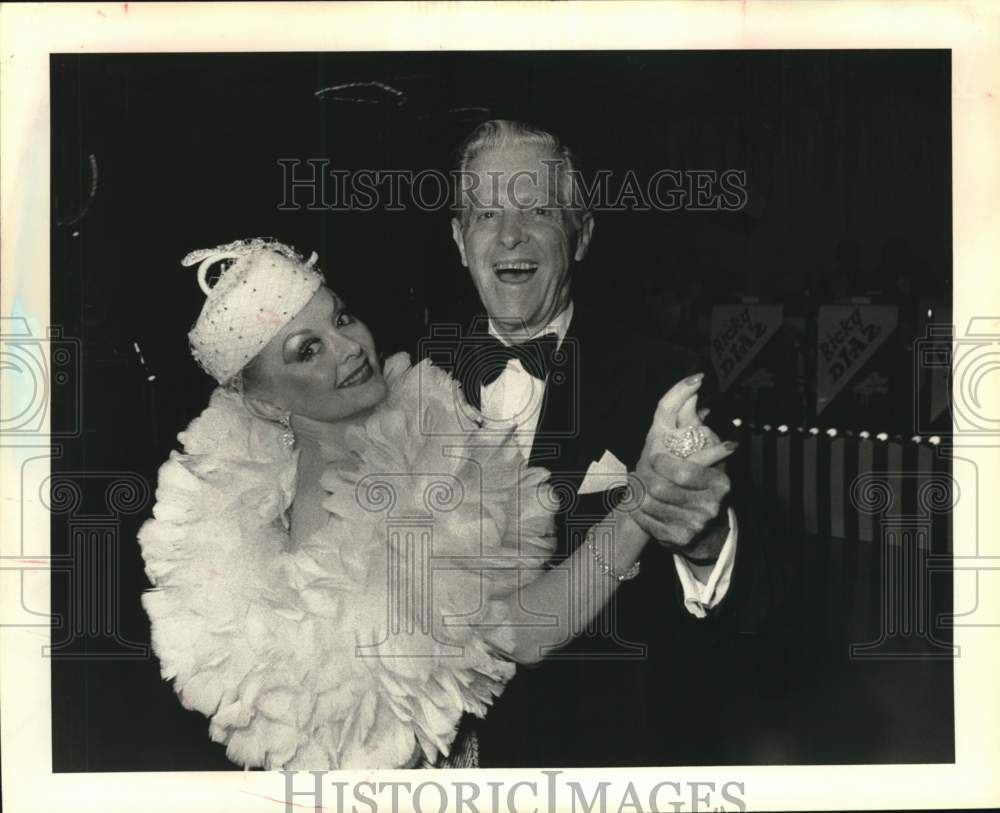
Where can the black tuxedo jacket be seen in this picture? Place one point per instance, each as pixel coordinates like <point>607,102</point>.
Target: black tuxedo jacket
<point>647,684</point>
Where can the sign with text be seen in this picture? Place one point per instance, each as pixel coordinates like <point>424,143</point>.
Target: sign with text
<point>739,334</point>
<point>848,337</point>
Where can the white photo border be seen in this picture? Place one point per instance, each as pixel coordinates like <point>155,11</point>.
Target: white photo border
<point>29,33</point>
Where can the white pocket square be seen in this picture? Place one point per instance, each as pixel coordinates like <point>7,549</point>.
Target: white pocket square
<point>608,472</point>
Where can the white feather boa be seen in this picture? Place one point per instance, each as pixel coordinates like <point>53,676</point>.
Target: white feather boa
<point>295,655</point>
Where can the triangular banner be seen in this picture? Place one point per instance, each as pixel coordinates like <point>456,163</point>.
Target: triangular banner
<point>739,333</point>
<point>847,336</point>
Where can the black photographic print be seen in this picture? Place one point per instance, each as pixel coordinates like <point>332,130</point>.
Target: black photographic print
<point>841,204</point>
<point>528,408</point>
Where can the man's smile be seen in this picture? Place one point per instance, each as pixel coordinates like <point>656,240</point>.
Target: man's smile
<point>515,272</point>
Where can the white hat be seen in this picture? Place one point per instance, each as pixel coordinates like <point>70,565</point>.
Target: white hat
<point>252,299</point>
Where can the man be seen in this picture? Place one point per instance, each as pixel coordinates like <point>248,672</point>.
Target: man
<point>580,394</point>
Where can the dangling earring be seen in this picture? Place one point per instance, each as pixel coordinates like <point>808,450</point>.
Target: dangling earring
<point>288,436</point>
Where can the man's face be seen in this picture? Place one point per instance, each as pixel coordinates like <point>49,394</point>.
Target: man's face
<point>516,239</point>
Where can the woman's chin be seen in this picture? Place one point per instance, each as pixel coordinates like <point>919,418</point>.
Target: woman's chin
<point>349,403</point>
<point>381,389</point>
<point>369,395</point>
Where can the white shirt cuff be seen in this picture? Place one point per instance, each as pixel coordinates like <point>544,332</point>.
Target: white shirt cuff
<point>700,598</point>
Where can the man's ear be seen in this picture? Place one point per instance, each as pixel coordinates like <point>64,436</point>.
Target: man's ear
<point>456,235</point>
<point>263,409</point>
<point>583,235</point>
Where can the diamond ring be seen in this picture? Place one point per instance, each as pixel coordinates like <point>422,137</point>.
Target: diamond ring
<point>685,442</point>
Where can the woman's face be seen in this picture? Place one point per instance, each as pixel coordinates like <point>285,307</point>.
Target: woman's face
<point>321,365</point>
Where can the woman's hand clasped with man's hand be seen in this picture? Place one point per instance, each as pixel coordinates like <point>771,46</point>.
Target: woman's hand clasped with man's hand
<point>679,501</point>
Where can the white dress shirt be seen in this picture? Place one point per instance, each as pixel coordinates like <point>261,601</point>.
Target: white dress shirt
<point>515,400</point>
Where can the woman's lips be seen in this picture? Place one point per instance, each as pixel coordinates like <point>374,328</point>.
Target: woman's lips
<point>359,376</point>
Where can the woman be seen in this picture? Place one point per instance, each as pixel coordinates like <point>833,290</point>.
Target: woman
<point>341,558</point>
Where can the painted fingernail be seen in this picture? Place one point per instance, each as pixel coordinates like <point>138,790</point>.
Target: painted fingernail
<point>694,379</point>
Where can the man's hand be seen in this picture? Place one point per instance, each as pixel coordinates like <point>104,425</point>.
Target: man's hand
<point>682,497</point>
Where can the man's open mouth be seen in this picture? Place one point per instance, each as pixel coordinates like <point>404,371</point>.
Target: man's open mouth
<point>515,271</point>
<point>359,376</point>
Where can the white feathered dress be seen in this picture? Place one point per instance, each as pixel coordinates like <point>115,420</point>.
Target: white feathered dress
<point>345,651</point>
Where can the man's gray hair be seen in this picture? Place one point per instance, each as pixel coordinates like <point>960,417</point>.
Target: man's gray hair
<point>499,133</point>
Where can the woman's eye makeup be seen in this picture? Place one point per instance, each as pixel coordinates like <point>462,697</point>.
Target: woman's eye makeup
<point>308,349</point>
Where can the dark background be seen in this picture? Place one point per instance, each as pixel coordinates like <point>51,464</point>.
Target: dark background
<point>847,156</point>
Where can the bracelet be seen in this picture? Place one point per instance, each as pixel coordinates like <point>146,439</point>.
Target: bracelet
<point>608,569</point>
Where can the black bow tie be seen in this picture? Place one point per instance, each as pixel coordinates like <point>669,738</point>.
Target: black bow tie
<point>481,362</point>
